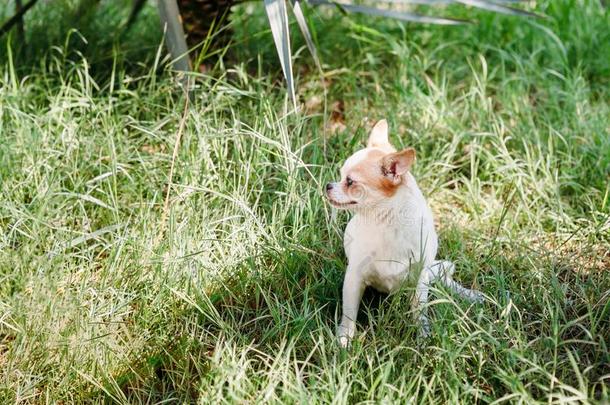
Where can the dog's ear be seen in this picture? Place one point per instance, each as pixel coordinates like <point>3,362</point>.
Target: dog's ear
<point>379,135</point>
<point>396,164</point>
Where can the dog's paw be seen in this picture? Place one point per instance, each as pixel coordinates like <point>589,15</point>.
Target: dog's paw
<point>344,341</point>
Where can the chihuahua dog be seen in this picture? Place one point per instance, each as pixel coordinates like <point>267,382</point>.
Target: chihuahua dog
<point>391,238</point>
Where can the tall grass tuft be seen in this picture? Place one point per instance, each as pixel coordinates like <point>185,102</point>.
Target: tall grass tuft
<point>237,301</point>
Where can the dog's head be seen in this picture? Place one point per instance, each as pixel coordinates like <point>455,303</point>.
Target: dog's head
<point>372,175</point>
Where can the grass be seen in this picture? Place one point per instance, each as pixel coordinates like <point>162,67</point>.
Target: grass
<point>233,293</point>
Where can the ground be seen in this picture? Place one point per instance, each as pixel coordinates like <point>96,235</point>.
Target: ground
<point>229,290</point>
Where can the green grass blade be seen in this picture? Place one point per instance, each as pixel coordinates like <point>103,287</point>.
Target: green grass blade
<point>498,8</point>
<point>298,13</point>
<point>439,2</point>
<point>278,20</point>
<point>174,34</point>
<point>398,15</point>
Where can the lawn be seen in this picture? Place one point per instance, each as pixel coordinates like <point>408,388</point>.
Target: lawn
<point>151,252</point>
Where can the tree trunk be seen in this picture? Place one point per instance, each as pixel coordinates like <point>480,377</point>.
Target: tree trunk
<point>199,17</point>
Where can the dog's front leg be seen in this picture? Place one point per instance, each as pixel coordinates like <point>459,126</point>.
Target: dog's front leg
<point>353,287</point>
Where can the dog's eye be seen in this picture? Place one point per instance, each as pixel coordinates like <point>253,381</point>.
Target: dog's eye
<point>349,181</point>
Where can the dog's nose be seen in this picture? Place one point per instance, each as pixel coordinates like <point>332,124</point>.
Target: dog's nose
<point>329,186</point>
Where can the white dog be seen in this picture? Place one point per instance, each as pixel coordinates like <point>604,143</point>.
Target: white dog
<point>391,237</point>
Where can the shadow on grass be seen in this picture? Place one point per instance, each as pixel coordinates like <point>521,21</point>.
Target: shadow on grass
<point>549,319</point>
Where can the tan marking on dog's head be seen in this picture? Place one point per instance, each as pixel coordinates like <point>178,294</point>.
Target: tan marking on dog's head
<point>372,174</point>
<point>380,171</point>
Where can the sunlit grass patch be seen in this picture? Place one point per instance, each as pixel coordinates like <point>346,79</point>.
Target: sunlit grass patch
<point>232,294</point>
